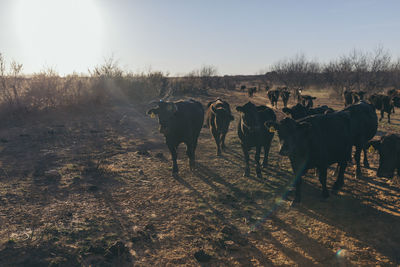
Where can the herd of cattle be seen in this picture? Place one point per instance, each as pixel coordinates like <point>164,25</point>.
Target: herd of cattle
<point>312,138</point>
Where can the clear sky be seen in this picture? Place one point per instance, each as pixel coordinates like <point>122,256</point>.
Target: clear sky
<point>238,37</point>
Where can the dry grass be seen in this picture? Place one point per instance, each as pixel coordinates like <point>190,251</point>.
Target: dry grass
<point>74,184</point>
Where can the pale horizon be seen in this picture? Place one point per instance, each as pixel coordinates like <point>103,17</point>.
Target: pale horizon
<point>176,37</point>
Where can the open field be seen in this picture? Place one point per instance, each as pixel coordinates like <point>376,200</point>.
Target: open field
<point>95,188</point>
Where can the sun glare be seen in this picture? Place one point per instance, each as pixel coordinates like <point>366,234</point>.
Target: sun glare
<point>65,34</point>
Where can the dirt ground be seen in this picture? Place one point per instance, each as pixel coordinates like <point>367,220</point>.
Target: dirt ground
<point>94,188</point>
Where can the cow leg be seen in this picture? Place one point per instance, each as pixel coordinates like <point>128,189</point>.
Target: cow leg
<point>223,141</point>
<point>389,117</point>
<point>322,180</point>
<point>246,160</point>
<point>340,179</point>
<point>190,153</point>
<point>217,142</point>
<point>382,113</point>
<point>257,158</point>
<point>357,156</point>
<point>174,156</point>
<point>366,164</point>
<point>267,147</point>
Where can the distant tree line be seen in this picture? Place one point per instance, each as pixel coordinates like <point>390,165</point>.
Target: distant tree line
<point>368,71</point>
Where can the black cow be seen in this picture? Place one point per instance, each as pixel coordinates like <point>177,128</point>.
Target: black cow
<point>180,122</point>
<point>307,100</point>
<point>352,97</point>
<point>299,111</point>
<point>243,87</point>
<point>364,124</point>
<point>218,118</point>
<point>389,155</point>
<point>297,94</point>
<point>285,97</point>
<point>252,133</point>
<point>316,142</point>
<point>384,103</point>
<point>273,96</point>
<point>357,96</point>
<point>348,98</point>
<point>395,96</point>
<point>251,91</point>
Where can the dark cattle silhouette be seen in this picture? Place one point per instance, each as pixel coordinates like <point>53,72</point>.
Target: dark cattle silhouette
<point>251,91</point>
<point>383,103</point>
<point>299,111</point>
<point>388,148</point>
<point>316,142</point>
<point>180,122</point>
<point>285,96</point>
<point>252,133</point>
<point>243,87</point>
<point>364,124</point>
<point>307,100</point>
<point>218,118</point>
<point>273,96</point>
<point>348,98</point>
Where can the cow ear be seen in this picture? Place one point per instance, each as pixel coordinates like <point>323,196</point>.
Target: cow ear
<point>239,109</point>
<point>374,145</point>
<point>153,111</point>
<point>313,98</point>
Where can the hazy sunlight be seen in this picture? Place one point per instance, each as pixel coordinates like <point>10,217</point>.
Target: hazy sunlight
<point>60,31</point>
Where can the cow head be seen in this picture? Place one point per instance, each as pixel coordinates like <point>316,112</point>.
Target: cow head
<point>293,136</point>
<point>249,117</point>
<point>396,101</point>
<point>389,151</point>
<point>297,112</point>
<point>165,112</point>
<point>361,94</point>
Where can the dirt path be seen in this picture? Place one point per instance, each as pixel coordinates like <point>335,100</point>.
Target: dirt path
<point>95,188</point>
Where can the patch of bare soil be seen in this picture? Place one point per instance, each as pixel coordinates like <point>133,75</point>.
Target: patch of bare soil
<point>94,188</point>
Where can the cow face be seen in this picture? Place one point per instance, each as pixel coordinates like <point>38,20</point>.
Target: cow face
<point>297,112</point>
<point>293,136</point>
<point>249,117</point>
<point>396,101</point>
<point>165,111</point>
<point>388,149</point>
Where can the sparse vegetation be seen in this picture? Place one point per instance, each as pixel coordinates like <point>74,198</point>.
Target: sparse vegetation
<point>91,185</point>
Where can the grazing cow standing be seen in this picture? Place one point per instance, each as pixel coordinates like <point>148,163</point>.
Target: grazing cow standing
<point>316,142</point>
<point>389,155</point>
<point>243,87</point>
<point>383,103</point>
<point>251,91</point>
<point>252,133</point>
<point>218,118</point>
<point>364,124</point>
<point>307,101</point>
<point>180,122</point>
<point>299,111</point>
<point>273,96</point>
